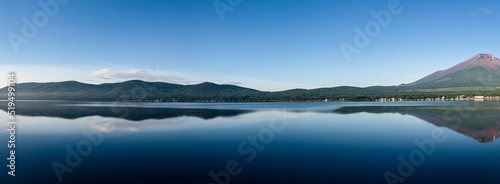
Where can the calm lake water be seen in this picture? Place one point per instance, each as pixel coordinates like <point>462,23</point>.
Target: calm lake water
<point>268,143</point>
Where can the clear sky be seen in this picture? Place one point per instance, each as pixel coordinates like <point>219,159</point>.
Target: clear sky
<point>263,44</point>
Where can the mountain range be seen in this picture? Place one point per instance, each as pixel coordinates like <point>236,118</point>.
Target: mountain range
<point>479,75</point>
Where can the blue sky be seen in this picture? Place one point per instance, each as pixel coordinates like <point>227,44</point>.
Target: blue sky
<point>263,44</point>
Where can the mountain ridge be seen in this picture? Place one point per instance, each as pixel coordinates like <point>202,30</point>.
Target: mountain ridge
<point>138,90</point>
<point>479,75</point>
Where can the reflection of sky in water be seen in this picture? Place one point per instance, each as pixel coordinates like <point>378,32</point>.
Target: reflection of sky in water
<point>322,144</point>
<point>369,122</point>
<point>51,125</point>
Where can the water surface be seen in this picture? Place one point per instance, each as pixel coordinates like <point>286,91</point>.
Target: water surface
<point>360,142</point>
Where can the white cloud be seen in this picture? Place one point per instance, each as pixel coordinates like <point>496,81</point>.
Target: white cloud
<point>482,10</point>
<point>108,74</point>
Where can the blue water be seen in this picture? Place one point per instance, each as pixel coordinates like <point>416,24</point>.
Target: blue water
<point>334,142</point>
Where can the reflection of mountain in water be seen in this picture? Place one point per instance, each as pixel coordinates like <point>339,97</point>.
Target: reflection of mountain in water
<point>129,113</point>
<point>481,123</point>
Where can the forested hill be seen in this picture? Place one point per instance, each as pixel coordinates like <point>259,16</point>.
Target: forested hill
<point>136,90</point>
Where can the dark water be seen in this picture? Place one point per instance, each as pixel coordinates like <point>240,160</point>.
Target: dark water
<point>398,142</point>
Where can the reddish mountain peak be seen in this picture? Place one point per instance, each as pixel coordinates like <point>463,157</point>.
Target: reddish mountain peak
<point>483,55</point>
<point>487,61</point>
